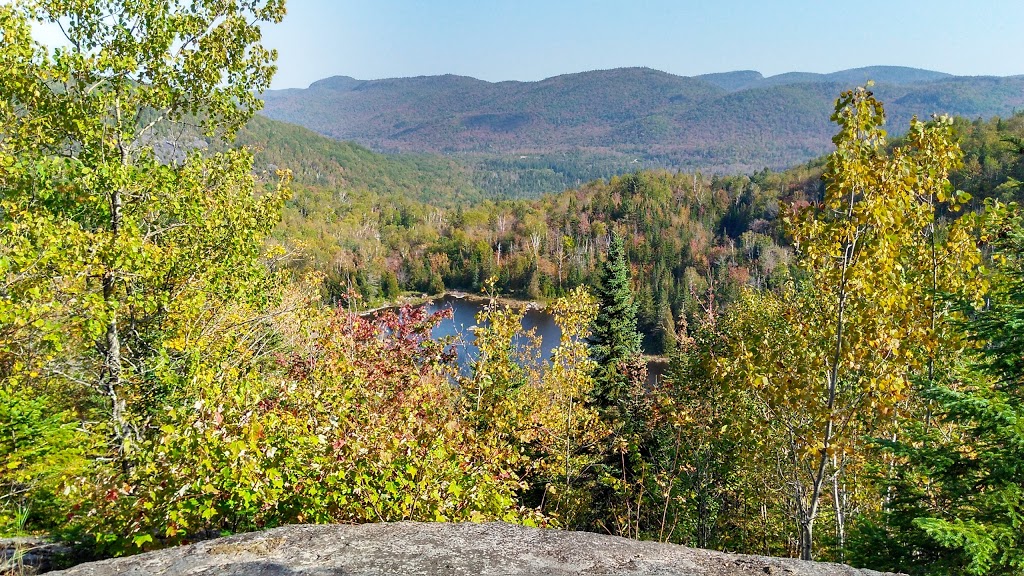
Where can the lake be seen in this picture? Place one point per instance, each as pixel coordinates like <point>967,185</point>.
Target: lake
<point>464,311</point>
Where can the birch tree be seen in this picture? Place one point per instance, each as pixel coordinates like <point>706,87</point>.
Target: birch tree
<point>832,357</point>
<point>116,236</point>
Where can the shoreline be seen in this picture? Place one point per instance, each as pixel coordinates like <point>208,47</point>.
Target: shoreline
<point>423,299</point>
<point>503,300</point>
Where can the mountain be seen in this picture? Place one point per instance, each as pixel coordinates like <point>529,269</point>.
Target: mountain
<point>634,117</point>
<point>899,75</point>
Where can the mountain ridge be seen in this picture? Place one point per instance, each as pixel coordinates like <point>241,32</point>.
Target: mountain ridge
<point>737,121</point>
<point>881,69</point>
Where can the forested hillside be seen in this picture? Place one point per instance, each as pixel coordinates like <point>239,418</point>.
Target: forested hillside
<point>719,123</point>
<point>317,161</point>
<point>687,232</point>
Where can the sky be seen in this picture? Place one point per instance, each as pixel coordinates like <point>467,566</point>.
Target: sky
<point>529,40</point>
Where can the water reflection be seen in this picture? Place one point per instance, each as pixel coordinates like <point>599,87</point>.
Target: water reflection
<point>463,318</point>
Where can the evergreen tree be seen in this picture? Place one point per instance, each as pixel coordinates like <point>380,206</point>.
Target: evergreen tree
<point>956,507</point>
<point>614,339</point>
<point>618,397</point>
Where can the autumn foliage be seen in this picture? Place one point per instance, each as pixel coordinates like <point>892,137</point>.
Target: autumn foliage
<point>168,374</point>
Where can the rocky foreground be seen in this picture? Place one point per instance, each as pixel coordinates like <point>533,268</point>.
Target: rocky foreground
<point>445,549</point>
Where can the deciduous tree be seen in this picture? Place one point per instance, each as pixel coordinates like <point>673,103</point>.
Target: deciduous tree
<point>94,215</point>
<point>832,357</point>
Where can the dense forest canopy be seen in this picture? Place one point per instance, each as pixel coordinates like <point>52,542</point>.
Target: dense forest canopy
<point>686,230</point>
<point>180,358</point>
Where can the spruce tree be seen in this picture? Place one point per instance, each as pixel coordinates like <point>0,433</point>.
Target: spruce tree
<point>618,396</point>
<point>614,339</point>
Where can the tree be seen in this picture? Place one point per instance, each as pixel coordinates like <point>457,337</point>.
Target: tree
<point>499,371</point>
<point>115,258</point>
<point>614,340</point>
<point>618,396</point>
<point>38,449</point>
<point>955,497</point>
<point>832,357</point>
<point>563,431</point>
<point>711,482</point>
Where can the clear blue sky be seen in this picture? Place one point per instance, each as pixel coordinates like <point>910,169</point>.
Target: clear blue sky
<point>534,39</point>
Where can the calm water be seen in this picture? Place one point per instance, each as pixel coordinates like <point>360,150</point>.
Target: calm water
<point>464,317</point>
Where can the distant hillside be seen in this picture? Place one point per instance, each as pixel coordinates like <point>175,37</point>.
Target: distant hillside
<point>610,121</point>
<point>318,161</point>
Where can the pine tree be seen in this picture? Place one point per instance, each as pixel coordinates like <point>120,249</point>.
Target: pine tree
<point>618,397</point>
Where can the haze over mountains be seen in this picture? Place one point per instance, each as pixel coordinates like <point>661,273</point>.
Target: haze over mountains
<point>588,124</point>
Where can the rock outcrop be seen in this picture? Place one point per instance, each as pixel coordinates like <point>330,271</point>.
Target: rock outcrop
<point>445,549</point>
<point>29,555</point>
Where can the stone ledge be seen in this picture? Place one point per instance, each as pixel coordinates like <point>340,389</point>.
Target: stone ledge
<point>429,549</point>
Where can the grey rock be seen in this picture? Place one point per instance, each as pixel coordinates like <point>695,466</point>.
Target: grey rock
<point>29,555</point>
<point>445,549</point>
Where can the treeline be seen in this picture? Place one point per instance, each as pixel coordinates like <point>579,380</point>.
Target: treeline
<point>532,175</point>
<point>685,232</point>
